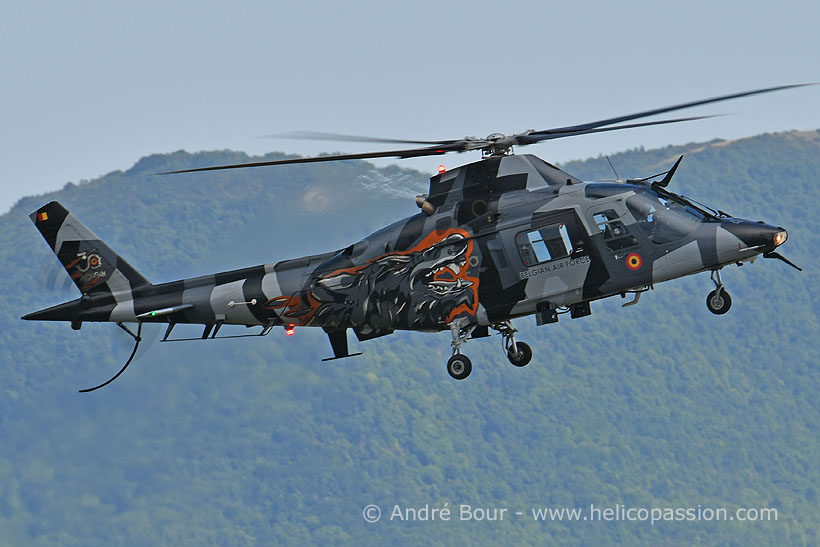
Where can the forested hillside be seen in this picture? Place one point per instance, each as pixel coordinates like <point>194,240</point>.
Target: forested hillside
<point>256,441</point>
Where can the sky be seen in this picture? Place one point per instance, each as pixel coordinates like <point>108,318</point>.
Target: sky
<point>91,87</point>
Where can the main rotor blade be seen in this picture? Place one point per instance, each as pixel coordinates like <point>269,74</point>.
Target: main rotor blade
<point>454,146</point>
<point>574,129</point>
<point>491,146</point>
<point>408,153</point>
<point>532,139</point>
<point>322,136</point>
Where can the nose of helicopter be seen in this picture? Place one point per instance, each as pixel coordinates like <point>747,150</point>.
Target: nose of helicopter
<point>756,234</point>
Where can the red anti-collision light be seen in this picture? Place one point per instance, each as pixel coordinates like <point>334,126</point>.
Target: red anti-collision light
<point>441,169</point>
<point>290,330</point>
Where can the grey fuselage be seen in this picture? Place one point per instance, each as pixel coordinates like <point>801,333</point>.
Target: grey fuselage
<point>500,238</point>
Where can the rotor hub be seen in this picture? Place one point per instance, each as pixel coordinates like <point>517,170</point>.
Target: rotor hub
<point>498,144</point>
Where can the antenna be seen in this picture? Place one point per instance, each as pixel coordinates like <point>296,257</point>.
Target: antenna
<point>617,179</point>
<point>617,176</point>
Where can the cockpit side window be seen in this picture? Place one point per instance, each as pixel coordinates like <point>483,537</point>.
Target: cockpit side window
<point>615,234</point>
<point>663,221</point>
<point>544,244</point>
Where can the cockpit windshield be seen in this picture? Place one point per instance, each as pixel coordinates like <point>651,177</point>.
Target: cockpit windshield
<point>663,220</point>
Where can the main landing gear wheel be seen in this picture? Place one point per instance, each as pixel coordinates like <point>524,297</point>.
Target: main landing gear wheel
<point>522,357</point>
<point>519,353</point>
<point>459,366</point>
<point>719,301</point>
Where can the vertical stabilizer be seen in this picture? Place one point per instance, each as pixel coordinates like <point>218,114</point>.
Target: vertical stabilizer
<point>92,265</point>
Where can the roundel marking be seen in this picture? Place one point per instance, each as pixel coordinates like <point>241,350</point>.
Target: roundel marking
<point>634,261</point>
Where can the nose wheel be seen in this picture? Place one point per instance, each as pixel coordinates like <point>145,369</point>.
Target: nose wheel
<point>718,301</point>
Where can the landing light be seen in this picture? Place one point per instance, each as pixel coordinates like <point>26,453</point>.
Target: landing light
<point>780,238</point>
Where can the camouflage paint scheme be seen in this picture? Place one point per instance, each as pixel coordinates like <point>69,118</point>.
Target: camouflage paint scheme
<point>464,264</point>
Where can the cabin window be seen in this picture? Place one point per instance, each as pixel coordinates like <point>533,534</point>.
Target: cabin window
<point>615,234</point>
<point>544,244</point>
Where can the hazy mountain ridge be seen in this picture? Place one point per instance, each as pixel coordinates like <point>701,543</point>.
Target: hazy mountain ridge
<point>237,441</point>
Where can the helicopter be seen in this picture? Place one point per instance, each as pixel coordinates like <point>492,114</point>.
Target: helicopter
<point>507,236</point>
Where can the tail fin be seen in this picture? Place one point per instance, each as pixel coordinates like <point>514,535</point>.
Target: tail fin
<point>91,264</point>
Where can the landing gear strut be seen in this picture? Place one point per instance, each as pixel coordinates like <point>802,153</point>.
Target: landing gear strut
<point>459,366</point>
<point>518,353</point>
<point>718,301</point>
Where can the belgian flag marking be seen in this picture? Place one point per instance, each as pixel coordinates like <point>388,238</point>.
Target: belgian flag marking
<point>42,216</point>
<point>634,261</point>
